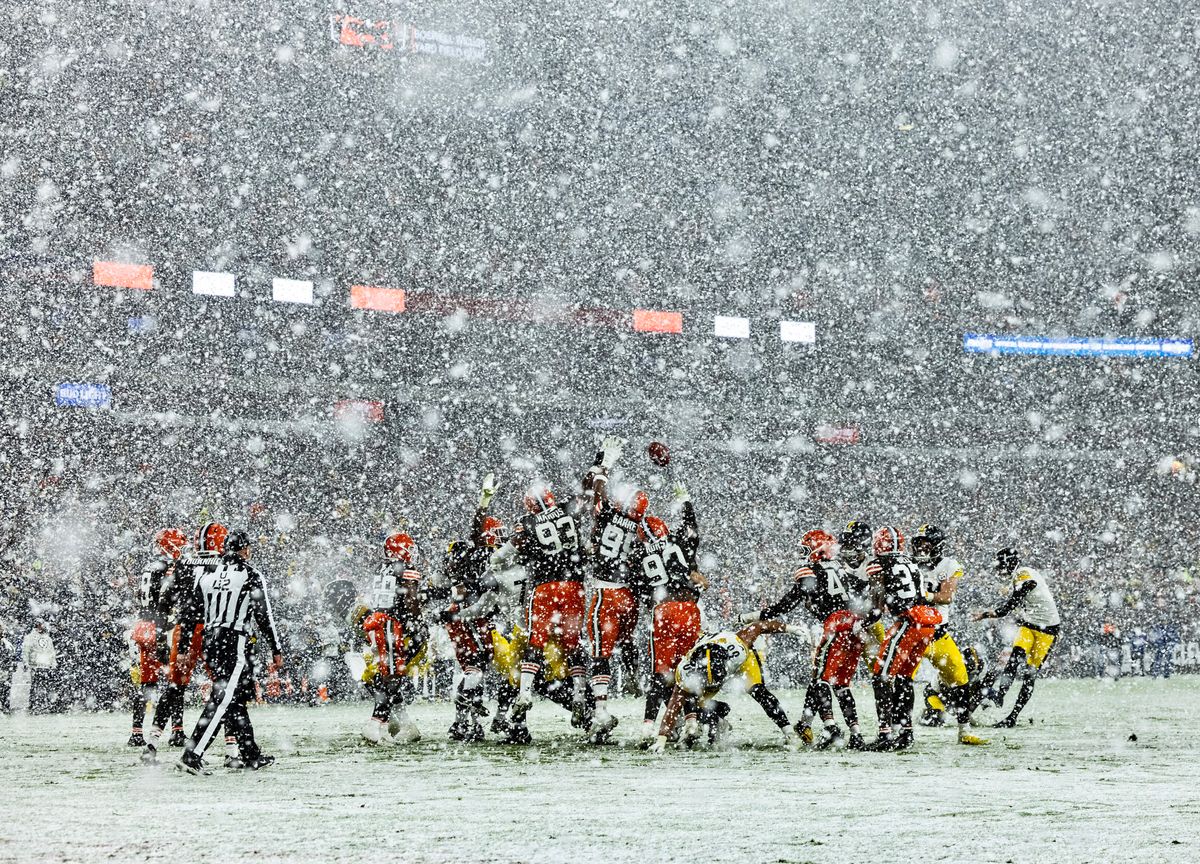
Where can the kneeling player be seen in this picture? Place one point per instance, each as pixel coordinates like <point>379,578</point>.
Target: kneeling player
<point>712,663</point>
<point>1033,606</point>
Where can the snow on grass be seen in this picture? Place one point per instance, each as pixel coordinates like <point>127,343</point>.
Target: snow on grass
<point>1070,787</point>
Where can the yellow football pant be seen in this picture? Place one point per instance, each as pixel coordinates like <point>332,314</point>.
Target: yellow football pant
<point>1035,644</point>
<point>945,656</point>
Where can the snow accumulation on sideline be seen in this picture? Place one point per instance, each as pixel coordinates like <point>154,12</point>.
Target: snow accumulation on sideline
<point>1069,787</point>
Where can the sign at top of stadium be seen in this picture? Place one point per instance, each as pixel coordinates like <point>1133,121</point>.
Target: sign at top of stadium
<point>382,34</point>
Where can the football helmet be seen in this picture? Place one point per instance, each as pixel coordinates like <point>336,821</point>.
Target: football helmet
<point>636,504</point>
<point>706,670</point>
<point>494,532</point>
<point>818,545</point>
<point>1006,561</point>
<point>401,547</point>
<point>652,526</point>
<point>888,540</point>
<point>171,542</point>
<point>211,538</point>
<point>929,544</point>
<point>539,499</point>
<point>855,540</point>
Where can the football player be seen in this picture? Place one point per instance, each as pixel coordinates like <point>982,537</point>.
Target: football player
<point>1036,614</point>
<point>149,633</point>
<point>613,611</point>
<point>186,638</point>
<point>468,615</point>
<point>940,577</point>
<point>714,662</point>
<point>396,637</point>
<point>673,584</point>
<point>895,584</point>
<point>837,597</point>
<point>546,543</point>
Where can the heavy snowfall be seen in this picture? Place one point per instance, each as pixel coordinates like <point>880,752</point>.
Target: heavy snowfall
<point>643,431</point>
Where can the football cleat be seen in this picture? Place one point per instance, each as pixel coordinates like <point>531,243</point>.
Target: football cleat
<point>648,734</point>
<point>521,706</point>
<point>791,738</point>
<point>579,715</point>
<point>518,734</point>
<point>885,743</point>
<point>831,738</point>
<point>691,732</point>
<point>971,740</point>
<point>234,763</point>
<point>406,731</point>
<point>374,731</point>
<point>1007,723</point>
<point>855,742</point>
<point>805,733</point>
<point>602,725</point>
<point>136,740</point>
<point>177,739</point>
<point>190,763</point>
<point>904,740</point>
<point>149,755</point>
<point>260,762</point>
<point>500,724</point>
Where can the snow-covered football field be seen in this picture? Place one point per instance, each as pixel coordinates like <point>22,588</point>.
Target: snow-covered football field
<point>1069,787</point>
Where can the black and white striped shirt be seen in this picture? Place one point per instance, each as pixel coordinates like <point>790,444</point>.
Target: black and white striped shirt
<point>228,593</point>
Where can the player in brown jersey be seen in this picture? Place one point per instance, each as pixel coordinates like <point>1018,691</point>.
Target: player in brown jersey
<point>895,583</point>
<point>672,582</point>
<point>837,598</point>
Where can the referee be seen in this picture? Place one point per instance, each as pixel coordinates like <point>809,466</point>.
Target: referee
<point>227,595</point>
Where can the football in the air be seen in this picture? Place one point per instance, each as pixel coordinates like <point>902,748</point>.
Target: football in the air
<point>659,454</point>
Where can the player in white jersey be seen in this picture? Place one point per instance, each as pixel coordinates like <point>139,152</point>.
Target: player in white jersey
<point>1032,606</point>
<point>940,577</point>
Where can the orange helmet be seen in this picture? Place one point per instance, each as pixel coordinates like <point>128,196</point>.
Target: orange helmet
<point>211,538</point>
<point>888,540</point>
<point>818,545</point>
<point>539,499</point>
<point>636,504</point>
<point>401,547</point>
<point>493,531</point>
<point>171,541</point>
<point>652,526</point>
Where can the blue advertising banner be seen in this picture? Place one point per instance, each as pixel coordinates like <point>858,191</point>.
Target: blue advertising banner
<point>1071,346</point>
<point>82,395</point>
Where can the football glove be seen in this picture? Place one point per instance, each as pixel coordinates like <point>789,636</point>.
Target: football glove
<point>611,449</point>
<point>681,494</point>
<point>487,491</point>
<point>749,617</point>
<point>658,746</point>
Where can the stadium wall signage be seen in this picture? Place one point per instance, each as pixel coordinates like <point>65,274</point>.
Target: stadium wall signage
<point>1071,346</point>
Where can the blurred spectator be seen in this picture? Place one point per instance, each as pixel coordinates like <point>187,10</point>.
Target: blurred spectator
<point>41,660</point>
<point>8,659</point>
